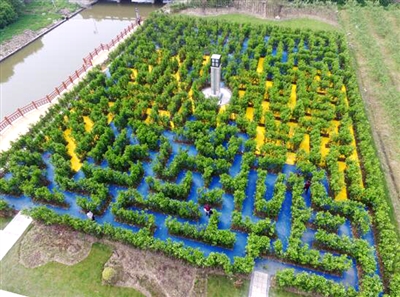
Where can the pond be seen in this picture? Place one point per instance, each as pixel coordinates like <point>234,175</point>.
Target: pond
<point>34,71</point>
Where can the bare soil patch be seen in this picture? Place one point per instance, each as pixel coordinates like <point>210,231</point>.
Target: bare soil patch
<point>200,285</point>
<point>151,274</point>
<point>43,244</point>
<point>8,213</point>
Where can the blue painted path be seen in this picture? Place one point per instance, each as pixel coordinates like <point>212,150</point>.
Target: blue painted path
<point>283,221</point>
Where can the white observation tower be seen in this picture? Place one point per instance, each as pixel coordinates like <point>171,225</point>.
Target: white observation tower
<point>215,74</point>
<point>223,94</point>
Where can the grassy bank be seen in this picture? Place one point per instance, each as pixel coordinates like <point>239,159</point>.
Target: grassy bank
<point>300,23</point>
<point>37,14</point>
<point>374,35</point>
<point>275,292</point>
<point>374,42</point>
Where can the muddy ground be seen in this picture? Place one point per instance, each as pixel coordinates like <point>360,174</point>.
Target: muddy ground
<point>152,274</point>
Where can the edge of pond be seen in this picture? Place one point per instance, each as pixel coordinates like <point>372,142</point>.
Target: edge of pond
<point>47,30</point>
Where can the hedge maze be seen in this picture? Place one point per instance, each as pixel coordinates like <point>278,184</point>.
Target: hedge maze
<point>141,147</point>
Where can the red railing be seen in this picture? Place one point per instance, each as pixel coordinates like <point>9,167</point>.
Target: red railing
<point>87,63</point>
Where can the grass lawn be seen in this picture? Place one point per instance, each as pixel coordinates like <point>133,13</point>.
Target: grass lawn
<point>373,33</point>
<point>273,292</point>
<point>54,279</point>
<point>37,15</point>
<point>221,286</point>
<point>4,222</point>
<point>301,23</point>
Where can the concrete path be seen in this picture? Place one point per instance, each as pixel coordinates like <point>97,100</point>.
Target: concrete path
<point>9,294</point>
<point>12,232</point>
<point>259,284</point>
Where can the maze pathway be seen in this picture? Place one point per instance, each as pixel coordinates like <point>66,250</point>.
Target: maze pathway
<point>259,284</point>
<point>283,221</point>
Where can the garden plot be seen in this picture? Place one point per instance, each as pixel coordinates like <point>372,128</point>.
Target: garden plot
<point>152,151</point>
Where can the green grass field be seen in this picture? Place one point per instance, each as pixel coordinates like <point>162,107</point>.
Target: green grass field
<point>4,222</point>
<point>301,23</point>
<point>54,279</point>
<point>280,293</point>
<point>37,15</point>
<point>221,286</point>
<point>373,35</point>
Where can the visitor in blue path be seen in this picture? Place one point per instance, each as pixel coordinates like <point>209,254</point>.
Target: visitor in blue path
<point>208,210</point>
<point>307,185</point>
<point>90,215</point>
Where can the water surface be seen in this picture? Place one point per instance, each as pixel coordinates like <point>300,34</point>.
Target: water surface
<point>36,70</point>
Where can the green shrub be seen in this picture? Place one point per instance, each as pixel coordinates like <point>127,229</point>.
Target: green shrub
<point>7,14</point>
<point>109,275</point>
<point>5,209</point>
<point>9,11</point>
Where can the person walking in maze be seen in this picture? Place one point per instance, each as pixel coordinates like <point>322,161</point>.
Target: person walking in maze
<point>307,185</point>
<point>207,210</point>
<point>90,215</point>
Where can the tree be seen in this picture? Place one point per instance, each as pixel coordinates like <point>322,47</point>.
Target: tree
<point>7,13</point>
<point>18,5</point>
